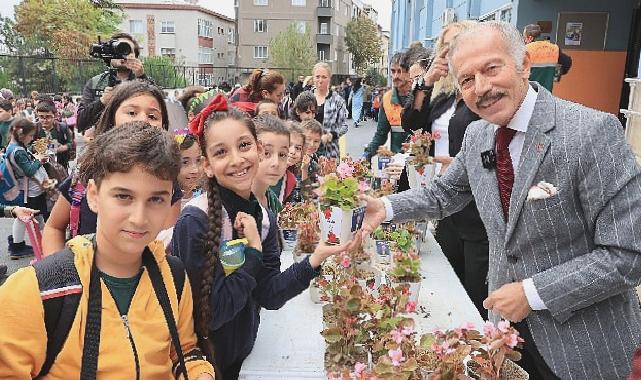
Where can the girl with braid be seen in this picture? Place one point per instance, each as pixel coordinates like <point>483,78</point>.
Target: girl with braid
<point>228,305</point>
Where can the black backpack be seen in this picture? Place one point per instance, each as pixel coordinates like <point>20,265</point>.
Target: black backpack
<point>58,272</point>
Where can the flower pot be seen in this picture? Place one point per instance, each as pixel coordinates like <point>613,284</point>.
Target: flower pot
<point>314,293</point>
<point>379,164</point>
<point>420,177</point>
<point>413,287</point>
<point>289,239</point>
<point>337,225</point>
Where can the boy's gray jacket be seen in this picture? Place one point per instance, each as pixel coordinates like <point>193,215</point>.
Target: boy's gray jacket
<point>581,247</point>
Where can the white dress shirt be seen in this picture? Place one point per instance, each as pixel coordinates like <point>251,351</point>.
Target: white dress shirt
<point>519,123</point>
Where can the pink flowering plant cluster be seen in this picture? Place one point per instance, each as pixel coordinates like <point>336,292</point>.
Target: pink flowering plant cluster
<point>445,353</point>
<point>418,146</point>
<point>342,187</point>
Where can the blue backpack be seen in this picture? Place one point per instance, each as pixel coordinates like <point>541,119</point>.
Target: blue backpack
<point>10,192</point>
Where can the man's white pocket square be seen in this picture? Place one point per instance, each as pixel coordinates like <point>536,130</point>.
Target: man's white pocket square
<point>542,190</point>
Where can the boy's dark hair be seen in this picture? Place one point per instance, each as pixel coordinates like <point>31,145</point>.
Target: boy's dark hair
<point>304,101</point>
<point>312,126</point>
<point>6,105</point>
<point>270,124</point>
<point>46,106</point>
<point>188,94</point>
<point>21,126</point>
<point>264,101</point>
<point>125,91</point>
<point>132,144</point>
<point>295,129</point>
<point>130,38</point>
<point>211,244</point>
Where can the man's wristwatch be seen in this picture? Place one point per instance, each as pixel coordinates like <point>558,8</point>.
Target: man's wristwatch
<point>420,85</point>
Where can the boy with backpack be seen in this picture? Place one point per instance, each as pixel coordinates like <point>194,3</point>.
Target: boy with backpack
<point>110,305</point>
<point>57,132</point>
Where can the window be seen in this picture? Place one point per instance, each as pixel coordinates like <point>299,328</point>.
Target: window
<point>506,15</point>
<point>205,55</point>
<point>260,26</point>
<point>260,51</point>
<point>323,3</point>
<point>299,3</point>
<point>301,27</point>
<point>321,55</point>
<point>261,2</point>
<point>168,52</point>
<point>230,36</point>
<point>323,28</point>
<point>135,27</point>
<point>205,28</point>
<point>167,27</point>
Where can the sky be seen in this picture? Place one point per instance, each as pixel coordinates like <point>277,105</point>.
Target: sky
<point>226,7</point>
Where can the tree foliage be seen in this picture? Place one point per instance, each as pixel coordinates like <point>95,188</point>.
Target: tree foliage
<point>66,27</point>
<point>292,49</point>
<point>163,71</point>
<point>361,38</point>
<point>374,78</point>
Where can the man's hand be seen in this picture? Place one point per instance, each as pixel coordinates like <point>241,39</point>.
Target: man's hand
<point>394,171</point>
<point>106,95</point>
<point>24,213</point>
<point>374,213</point>
<point>509,301</point>
<point>326,138</point>
<point>62,148</point>
<point>136,67</point>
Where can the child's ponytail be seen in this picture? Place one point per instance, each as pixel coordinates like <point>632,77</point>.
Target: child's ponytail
<point>211,253</point>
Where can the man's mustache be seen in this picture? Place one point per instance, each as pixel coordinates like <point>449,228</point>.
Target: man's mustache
<point>488,98</point>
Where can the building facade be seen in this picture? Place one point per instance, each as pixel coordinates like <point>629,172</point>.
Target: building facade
<point>201,40</point>
<point>261,20</point>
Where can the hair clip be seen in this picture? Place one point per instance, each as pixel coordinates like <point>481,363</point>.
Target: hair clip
<point>180,134</point>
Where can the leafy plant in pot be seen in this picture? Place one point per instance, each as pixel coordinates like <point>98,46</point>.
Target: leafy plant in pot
<point>288,220</point>
<point>406,271</point>
<point>341,214</point>
<point>420,165</point>
<point>308,233</point>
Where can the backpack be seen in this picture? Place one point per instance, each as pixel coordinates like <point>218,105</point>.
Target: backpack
<point>60,289</point>
<point>10,192</point>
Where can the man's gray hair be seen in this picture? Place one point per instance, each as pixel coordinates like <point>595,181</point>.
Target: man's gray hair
<point>511,37</point>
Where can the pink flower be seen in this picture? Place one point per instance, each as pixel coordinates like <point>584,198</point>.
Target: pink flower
<point>359,368</point>
<point>410,307</point>
<point>363,186</point>
<point>511,340</point>
<point>396,356</point>
<point>397,336</point>
<point>345,170</point>
<point>437,348</point>
<point>489,329</point>
<point>467,326</point>
<point>346,261</point>
<point>436,135</point>
<point>503,326</point>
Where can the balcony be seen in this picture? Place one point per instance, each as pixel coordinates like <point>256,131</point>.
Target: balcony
<point>324,39</point>
<point>324,9</point>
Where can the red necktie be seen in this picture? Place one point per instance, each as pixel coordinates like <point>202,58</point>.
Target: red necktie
<point>504,169</point>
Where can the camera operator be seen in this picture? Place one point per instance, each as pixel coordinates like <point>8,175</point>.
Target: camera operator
<point>97,90</point>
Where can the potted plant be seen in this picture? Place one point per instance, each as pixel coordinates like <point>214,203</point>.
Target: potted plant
<point>307,234</point>
<point>380,161</point>
<point>406,272</point>
<point>288,220</point>
<point>420,165</point>
<point>341,214</point>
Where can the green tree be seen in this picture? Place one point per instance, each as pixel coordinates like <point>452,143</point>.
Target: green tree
<point>163,71</point>
<point>361,38</point>
<point>294,50</point>
<point>374,78</point>
<point>67,27</point>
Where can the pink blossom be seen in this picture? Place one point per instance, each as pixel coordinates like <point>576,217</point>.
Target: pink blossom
<point>345,170</point>
<point>396,356</point>
<point>489,329</point>
<point>346,261</point>
<point>436,135</point>
<point>503,326</point>
<point>359,368</point>
<point>467,326</point>
<point>410,307</point>
<point>397,336</point>
<point>363,186</point>
<point>511,340</point>
<point>437,348</point>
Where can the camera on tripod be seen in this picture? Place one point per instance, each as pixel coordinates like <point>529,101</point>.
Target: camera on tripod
<point>108,50</point>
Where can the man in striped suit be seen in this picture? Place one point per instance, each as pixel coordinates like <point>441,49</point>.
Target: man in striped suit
<point>559,192</point>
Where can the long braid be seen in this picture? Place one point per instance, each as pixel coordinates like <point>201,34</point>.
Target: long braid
<point>211,253</point>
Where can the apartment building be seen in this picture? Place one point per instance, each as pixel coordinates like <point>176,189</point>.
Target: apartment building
<point>261,20</point>
<point>201,40</point>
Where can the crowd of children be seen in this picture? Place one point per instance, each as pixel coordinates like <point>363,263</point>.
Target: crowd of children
<point>134,281</point>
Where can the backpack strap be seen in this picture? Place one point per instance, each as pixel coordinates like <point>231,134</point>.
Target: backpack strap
<point>178,273</point>
<point>161,293</point>
<point>60,290</point>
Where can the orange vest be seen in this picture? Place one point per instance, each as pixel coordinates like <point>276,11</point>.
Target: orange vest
<point>392,111</point>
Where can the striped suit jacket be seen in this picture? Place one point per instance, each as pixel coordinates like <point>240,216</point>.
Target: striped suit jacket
<point>581,247</point>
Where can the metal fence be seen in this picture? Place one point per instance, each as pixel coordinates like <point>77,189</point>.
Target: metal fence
<point>47,74</point>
